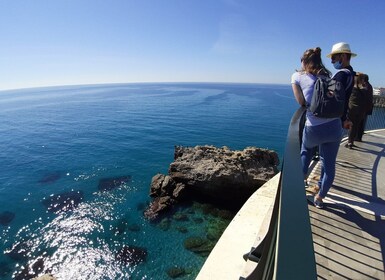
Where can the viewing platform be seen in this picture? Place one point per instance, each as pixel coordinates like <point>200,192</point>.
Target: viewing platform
<point>348,234</point>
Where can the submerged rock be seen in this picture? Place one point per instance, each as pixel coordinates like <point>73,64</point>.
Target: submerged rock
<point>108,184</point>
<point>198,245</point>
<point>50,178</point>
<point>63,201</point>
<point>6,218</point>
<point>31,270</point>
<point>215,175</point>
<point>175,272</point>
<point>131,255</point>
<point>19,251</point>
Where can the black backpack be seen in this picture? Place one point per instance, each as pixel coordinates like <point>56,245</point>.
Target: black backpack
<point>329,96</point>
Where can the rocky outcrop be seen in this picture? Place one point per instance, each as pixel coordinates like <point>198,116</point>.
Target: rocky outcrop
<point>64,201</point>
<point>108,184</point>
<point>216,175</point>
<point>379,101</point>
<point>129,254</point>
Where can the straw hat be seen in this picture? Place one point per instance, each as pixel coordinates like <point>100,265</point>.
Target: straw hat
<point>341,48</point>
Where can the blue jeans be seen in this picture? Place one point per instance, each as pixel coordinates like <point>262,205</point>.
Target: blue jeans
<point>327,137</point>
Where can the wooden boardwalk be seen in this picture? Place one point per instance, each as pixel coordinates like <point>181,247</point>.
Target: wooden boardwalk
<point>349,232</point>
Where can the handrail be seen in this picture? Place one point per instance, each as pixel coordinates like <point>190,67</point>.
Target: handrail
<point>294,250</point>
<point>287,250</point>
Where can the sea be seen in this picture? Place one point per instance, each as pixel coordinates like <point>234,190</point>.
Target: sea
<point>76,164</point>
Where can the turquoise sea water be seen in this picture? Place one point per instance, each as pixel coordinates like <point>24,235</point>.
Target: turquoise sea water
<point>66,139</point>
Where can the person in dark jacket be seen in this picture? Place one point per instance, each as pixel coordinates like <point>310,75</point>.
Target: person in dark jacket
<point>367,87</point>
<point>357,108</point>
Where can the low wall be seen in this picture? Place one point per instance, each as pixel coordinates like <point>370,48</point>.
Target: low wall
<point>226,259</point>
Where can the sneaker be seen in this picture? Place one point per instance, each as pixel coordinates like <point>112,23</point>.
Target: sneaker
<point>349,145</point>
<point>318,204</point>
<point>313,189</point>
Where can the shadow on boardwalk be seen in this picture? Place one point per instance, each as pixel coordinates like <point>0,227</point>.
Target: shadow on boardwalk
<point>349,233</point>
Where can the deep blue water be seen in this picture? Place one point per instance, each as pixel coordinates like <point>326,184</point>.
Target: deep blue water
<point>62,139</point>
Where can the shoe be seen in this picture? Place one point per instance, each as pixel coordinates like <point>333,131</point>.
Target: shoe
<point>318,204</point>
<point>306,184</point>
<point>349,145</point>
<point>313,189</point>
<point>315,158</point>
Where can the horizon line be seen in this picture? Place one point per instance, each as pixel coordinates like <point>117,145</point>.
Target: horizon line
<point>128,83</point>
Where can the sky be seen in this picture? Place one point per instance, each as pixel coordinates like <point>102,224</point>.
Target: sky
<point>73,42</point>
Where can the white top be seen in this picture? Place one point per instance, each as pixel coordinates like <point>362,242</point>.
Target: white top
<point>306,81</point>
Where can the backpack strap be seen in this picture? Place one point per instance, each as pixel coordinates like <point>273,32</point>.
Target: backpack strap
<point>350,76</point>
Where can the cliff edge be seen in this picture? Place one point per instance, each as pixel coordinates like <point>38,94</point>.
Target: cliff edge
<point>216,175</point>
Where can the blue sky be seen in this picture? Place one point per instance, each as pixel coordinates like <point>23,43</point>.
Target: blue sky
<point>70,42</point>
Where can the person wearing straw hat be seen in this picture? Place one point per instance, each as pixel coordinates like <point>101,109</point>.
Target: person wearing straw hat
<point>340,58</point>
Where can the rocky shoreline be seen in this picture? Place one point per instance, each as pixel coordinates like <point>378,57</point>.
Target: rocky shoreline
<point>209,174</point>
<point>379,101</point>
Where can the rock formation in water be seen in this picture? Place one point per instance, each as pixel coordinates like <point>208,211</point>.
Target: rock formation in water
<point>63,201</point>
<point>6,218</point>
<point>50,178</point>
<point>216,175</point>
<point>108,184</point>
<point>129,254</point>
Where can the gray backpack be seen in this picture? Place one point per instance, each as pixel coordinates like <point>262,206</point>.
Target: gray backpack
<point>329,96</point>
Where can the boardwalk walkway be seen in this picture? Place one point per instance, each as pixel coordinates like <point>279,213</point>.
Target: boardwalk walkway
<point>349,233</point>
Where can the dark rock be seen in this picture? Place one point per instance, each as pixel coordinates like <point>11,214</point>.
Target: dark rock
<point>164,224</point>
<point>134,227</point>
<point>108,184</point>
<point>194,242</point>
<point>180,217</point>
<point>225,214</point>
<point>120,227</point>
<point>161,184</point>
<point>6,218</point>
<point>131,255</point>
<point>31,270</point>
<point>199,245</point>
<point>19,251</point>
<point>175,272</point>
<point>215,229</point>
<point>198,220</point>
<point>63,202</point>
<point>182,229</point>
<point>157,205</point>
<point>50,178</point>
<point>215,175</point>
